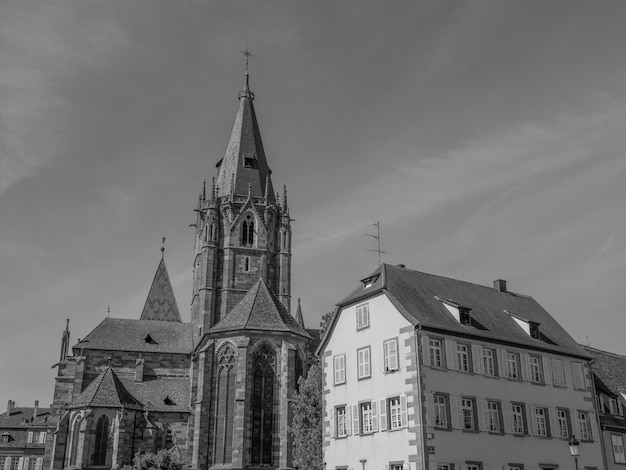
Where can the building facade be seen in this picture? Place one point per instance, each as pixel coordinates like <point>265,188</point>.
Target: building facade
<point>427,372</point>
<point>216,388</point>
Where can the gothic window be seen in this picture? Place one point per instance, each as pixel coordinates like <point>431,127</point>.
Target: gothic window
<point>247,232</point>
<point>224,405</point>
<point>263,406</point>
<point>101,441</point>
<point>74,442</point>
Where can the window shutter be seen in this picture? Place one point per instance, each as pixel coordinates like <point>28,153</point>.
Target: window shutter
<point>332,423</point>
<point>404,416</point>
<point>374,416</point>
<point>579,379</point>
<point>450,346</point>
<point>525,360</point>
<point>481,410</point>
<point>20,464</point>
<point>502,365</point>
<point>477,359</point>
<point>430,409</point>
<point>555,431</point>
<point>26,462</point>
<point>595,433</point>
<point>425,350</point>
<point>507,417</point>
<point>558,374</point>
<point>7,463</point>
<point>355,420</point>
<point>29,438</point>
<point>38,463</point>
<point>382,414</point>
<point>348,420</point>
<point>547,373</point>
<point>393,357</point>
<point>386,357</point>
<point>455,412</point>
<point>530,420</point>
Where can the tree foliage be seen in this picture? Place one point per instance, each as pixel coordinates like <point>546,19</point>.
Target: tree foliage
<point>307,421</point>
<point>165,459</point>
<point>325,322</point>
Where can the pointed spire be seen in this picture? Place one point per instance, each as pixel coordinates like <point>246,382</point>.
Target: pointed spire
<point>299,317</point>
<point>246,93</point>
<point>65,342</point>
<point>161,303</point>
<point>285,207</point>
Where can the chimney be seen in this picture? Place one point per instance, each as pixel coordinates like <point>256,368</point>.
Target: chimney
<point>35,410</point>
<point>500,285</point>
<point>10,406</point>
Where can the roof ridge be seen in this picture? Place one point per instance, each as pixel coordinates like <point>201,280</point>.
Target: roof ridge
<point>610,353</point>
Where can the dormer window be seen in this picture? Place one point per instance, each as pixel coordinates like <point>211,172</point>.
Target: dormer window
<point>149,339</point>
<point>459,312</point>
<point>4,438</point>
<point>530,327</point>
<point>464,316</point>
<point>534,329</point>
<point>369,281</point>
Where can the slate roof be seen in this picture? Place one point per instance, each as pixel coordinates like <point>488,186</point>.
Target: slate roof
<point>106,391</point>
<point>161,303</point>
<point>610,370</point>
<point>45,417</point>
<point>162,394</point>
<point>244,143</point>
<point>259,310</point>
<point>123,334</point>
<point>418,296</point>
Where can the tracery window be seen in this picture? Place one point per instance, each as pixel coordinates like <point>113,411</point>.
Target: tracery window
<point>101,441</point>
<point>247,232</point>
<point>224,405</point>
<point>264,378</point>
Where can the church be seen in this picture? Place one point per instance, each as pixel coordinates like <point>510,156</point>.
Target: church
<point>216,388</point>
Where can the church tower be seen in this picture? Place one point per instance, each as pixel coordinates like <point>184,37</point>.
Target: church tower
<point>242,229</point>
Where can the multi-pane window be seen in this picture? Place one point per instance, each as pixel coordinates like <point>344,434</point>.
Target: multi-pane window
<point>396,466</point>
<point>617,442</point>
<point>562,417</point>
<point>366,417</point>
<point>395,413</point>
<point>42,437</point>
<point>463,357</point>
<point>339,364</point>
<point>558,373</point>
<point>390,351</point>
<point>468,412</point>
<point>541,421</point>
<point>489,361</point>
<point>518,418</point>
<point>536,369</point>
<point>362,316</point>
<point>436,352</point>
<point>512,365</point>
<point>342,429</point>
<point>445,466</point>
<point>583,425</point>
<point>441,411</point>
<point>363,362</point>
<point>29,437</point>
<point>473,466</point>
<point>493,416</point>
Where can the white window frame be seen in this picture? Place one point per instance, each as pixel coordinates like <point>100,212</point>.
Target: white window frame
<point>445,466</point>
<point>42,437</point>
<point>493,416</point>
<point>339,369</point>
<point>463,357</point>
<point>541,421</point>
<point>562,417</point>
<point>513,365</point>
<point>468,414</point>
<point>489,362</point>
<point>395,413</point>
<point>364,369</point>
<point>583,425</point>
<point>435,347</point>
<point>617,444</point>
<point>390,353</point>
<point>366,416</point>
<point>518,421</point>
<point>29,437</point>
<point>536,369</point>
<point>362,316</point>
<point>440,409</point>
<point>341,420</point>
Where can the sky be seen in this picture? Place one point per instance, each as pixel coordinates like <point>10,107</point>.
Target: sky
<point>486,137</point>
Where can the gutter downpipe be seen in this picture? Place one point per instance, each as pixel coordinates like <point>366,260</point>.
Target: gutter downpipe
<point>597,413</point>
<point>420,386</point>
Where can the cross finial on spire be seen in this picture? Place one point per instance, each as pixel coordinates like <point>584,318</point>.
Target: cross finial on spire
<point>163,248</point>
<point>246,91</point>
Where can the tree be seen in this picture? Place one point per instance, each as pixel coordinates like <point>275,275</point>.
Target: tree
<point>325,322</point>
<point>165,459</point>
<point>307,421</point>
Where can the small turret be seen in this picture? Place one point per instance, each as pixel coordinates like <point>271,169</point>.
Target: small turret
<point>65,342</point>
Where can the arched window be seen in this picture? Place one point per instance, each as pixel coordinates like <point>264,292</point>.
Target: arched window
<point>74,442</point>
<point>247,232</point>
<point>101,441</point>
<point>224,405</point>
<point>264,378</point>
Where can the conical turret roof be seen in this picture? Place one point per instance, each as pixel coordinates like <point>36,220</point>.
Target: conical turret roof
<point>106,391</point>
<point>244,166</point>
<point>161,303</point>
<point>299,316</point>
<point>259,310</point>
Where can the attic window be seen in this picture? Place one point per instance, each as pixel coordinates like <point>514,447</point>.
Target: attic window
<point>249,162</point>
<point>531,328</point>
<point>459,312</point>
<point>534,329</point>
<point>4,438</point>
<point>464,316</point>
<point>149,339</point>
<point>368,281</point>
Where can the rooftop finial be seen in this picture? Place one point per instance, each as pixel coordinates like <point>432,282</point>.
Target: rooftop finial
<point>246,93</point>
<point>163,248</point>
<point>204,190</point>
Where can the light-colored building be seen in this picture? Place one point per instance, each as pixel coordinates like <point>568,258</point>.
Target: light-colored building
<point>427,372</point>
<point>609,376</point>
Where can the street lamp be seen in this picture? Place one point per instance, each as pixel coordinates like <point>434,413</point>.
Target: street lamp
<point>574,450</point>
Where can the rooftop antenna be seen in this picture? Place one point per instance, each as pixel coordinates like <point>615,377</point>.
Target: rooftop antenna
<point>377,237</point>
